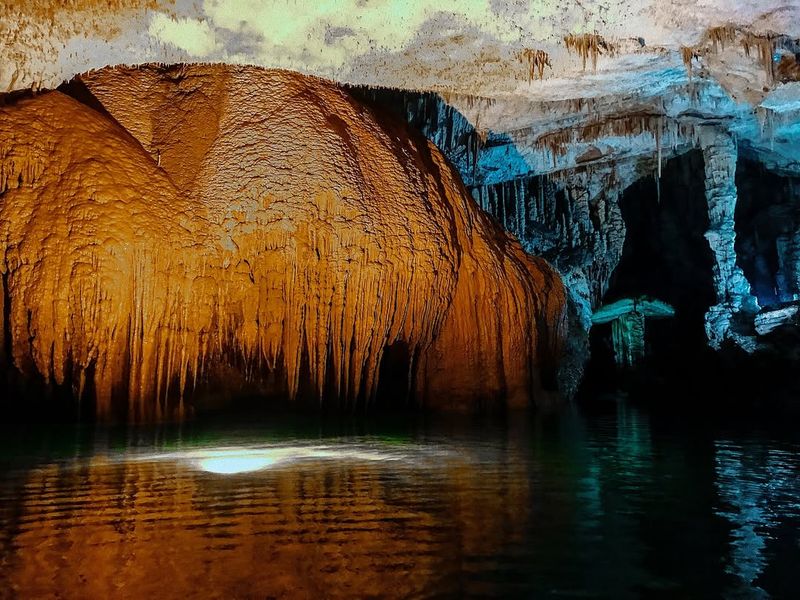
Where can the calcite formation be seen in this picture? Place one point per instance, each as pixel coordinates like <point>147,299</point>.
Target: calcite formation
<point>627,318</point>
<point>182,222</point>
<point>770,319</point>
<point>581,90</point>
<point>733,289</point>
<point>557,185</point>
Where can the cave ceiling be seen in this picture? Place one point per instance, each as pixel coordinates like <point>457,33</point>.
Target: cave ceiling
<point>527,68</point>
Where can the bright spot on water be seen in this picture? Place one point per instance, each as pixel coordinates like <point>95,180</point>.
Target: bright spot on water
<point>242,462</point>
<point>229,461</point>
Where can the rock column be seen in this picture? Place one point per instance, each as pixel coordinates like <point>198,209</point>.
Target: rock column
<point>732,288</point>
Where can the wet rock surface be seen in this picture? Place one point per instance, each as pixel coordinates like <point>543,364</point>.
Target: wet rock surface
<point>258,226</point>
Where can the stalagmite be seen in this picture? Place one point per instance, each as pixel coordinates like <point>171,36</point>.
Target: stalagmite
<point>732,288</point>
<point>206,220</point>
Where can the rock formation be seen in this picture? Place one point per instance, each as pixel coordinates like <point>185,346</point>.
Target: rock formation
<point>733,289</point>
<point>184,223</point>
<point>549,111</point>
<point>556,171</point>
<point>627,318</point>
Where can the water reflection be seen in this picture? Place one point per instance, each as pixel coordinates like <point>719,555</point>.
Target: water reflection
<point>567,507</point>
<point>353,519</point>
<point>231,463</point>
<point>244,459</point>
<point>759,493</point>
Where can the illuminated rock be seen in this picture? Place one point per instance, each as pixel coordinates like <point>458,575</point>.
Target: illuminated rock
<point>627,318</point>
<point>237,219</point>
<point>770,319</point>
<point>733,289</point>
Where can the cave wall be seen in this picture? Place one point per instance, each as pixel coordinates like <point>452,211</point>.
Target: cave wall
<point>666,257</point>
<point>546,127</point>
<point>569,210</point>
<point>570,217</point>
<point>239,223</point>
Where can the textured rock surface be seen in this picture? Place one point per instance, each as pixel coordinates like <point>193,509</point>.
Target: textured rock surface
<point>769,320</point>
<point>227,217</point>
<point>548,109</point>
<point>733,289</point>
<point>472,47</point>
<point>570,214</point>
<point>627,318</point>
<point>581,63</point>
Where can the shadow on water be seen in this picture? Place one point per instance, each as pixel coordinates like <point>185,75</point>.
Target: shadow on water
<point>573,505</point>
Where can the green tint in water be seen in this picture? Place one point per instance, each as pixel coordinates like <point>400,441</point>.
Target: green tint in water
<point>573,506</point>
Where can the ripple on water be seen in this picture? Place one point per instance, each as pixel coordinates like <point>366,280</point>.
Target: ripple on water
<point>576,509</point>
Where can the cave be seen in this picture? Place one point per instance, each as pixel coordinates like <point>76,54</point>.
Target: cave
<point>391,299</point>
<point>666,257</point>
<point>767,218</point>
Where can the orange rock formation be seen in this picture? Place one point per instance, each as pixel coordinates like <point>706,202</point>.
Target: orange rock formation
<point>208,219</point>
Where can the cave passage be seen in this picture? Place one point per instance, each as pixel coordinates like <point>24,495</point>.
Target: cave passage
<point>665,257</point>
<point>404,299</point>
<point>767,219</point>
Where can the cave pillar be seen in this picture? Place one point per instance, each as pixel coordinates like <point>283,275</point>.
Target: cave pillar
<point>732,288</point>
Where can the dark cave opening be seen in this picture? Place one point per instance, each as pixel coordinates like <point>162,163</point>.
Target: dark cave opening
<point>394,377</point>
<point>767,217</point>
<point>393,393</point>
<point>665,257</point>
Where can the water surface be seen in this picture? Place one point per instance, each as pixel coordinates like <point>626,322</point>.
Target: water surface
<point>573,506</point>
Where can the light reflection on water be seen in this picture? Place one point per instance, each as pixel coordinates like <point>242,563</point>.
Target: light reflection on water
<point>247,458</point>
<point>759,490</point>
<point>558,507</point>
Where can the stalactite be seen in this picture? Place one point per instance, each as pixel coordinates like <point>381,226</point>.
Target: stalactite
<point>629,125</point>
<point>788,68</point>
<point>536,62</point>
<point>589,45</point>
<point>722,35</point>
<point>659,159</point>
<point>312,236</point>
<point>765,45</point>
<point>688,55</point>
<point>717,38</point>
<point>766,121</point>
<point>573,219</point>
